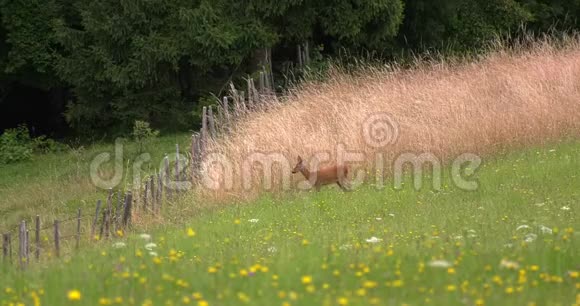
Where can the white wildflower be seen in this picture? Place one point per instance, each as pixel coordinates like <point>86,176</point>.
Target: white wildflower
<point>458,237</point>
<point>253,220</point>
<point>153,253</point>
<point>378,219</point>
<point>521,227</point>
<point>272,249</point>
<point>374,240</point>
<point>439,264</point>
<point>145,236</point>
<point>530,237</point>
<point>345,247</point>
<point>545,229</point>
<point>392,215</point>
<point>150,246</point>
<point>118,245</point>
<point>565,208</point>
<point>509,264</point>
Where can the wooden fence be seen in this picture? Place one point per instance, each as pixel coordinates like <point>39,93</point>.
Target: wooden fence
<point>113,217</point>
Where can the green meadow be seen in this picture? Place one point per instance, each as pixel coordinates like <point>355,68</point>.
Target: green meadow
<point>513,241</point>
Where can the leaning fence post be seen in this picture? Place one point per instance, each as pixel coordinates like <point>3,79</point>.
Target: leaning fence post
<point>127,212</point>
<point>78,242</point>
<point>95,219</point>
<point>37,237</point>
<point>56,238</point>
<point>204,124</point>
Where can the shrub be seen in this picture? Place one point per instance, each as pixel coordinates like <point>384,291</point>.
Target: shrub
<point>15,145</point>
<point>143,134</point>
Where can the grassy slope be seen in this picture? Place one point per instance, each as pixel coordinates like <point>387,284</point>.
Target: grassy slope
<point>311,233</point>
<point>55,185</point>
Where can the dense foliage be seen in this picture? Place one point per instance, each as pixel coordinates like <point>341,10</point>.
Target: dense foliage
<point>154,60</point>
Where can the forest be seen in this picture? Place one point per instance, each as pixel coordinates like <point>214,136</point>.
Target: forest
<point>91,68</point>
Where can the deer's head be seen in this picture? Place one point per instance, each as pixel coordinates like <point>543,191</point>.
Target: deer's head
<point>299,166</point>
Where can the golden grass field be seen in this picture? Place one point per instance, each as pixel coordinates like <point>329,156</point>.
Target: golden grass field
<point>508,98</point>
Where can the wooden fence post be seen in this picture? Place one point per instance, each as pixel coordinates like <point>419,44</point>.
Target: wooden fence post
<point>153,194</point>
<point>22,244</point>
<point>4,247</point>
<point>78,242</point>
<point>9,237</point>
<point>226,109</point>
<point>177,173</point>
<point>102,231</point>
<point>145,195</point>
<point>94,227</point>
<point>127,212</point>
<point>204,125</point>
<point>211,122</point>
<point>261,82</point>
<point>27,246</point>
<point>159,190</point>
<point>37,237</point>
<point>119,209</point>
<point>110,202</point>
<point>167,179</point>
<point>56,238</point>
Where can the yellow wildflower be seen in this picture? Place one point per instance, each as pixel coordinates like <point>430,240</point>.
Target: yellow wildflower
<point>306,279</point>
<point>190,232</point>
<point>74,295</point>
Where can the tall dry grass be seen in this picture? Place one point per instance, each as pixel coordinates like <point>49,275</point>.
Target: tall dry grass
<point>509,97</point>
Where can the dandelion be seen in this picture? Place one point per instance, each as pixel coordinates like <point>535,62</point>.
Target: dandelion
<point>573,274</point>
<point>342,301</point>
<point>370,284</point>
<point>451,288</point>
<point>202,303</point>
<point>451,271</point>
<point>211,270</point>
<point>509,290</point>
<point>398,283</point>
<point>74,295</point>
<point>307,279</point>
<point>479,302</point>
<point>190,232</point>
<point>105,301</point>
<point>237,221</point>
<point>374,240</point>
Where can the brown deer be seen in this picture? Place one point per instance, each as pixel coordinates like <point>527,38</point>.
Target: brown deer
<point>324,176</point>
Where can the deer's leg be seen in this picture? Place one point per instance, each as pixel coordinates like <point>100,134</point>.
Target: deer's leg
<point>317,186</point>
<point>342,185</point>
